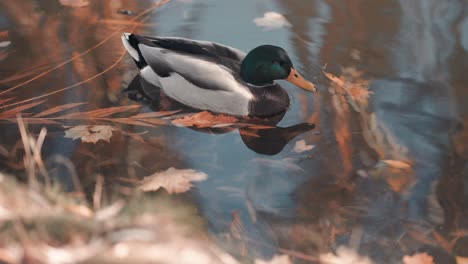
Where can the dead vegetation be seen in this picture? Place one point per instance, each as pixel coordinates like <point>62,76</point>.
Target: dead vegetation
<point>42,224</point>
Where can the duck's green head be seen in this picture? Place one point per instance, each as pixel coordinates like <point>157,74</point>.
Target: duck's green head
<point>267,63</point>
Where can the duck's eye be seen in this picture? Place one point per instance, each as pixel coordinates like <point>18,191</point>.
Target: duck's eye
<point>281,63</point>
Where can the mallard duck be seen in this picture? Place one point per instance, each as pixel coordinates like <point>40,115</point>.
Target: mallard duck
<point>210,76</point>
<point>269,140</point>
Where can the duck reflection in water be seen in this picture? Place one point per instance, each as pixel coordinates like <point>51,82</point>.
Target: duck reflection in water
<point>266,141</point>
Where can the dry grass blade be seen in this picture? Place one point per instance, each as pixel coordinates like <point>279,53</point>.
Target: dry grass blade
<point>128,121</point>
<point>117,31</point>
<point>116,22</point>
<point>2,101</point>
<point>36,121</point>
<point>254,126</point>
<point>13,112</point>
<point>58,109</point>
<point>153,121</point>
<point>29,162</point>
<point>112,110</point>
<point>105,112</point>
<point>154,114</point>
<point>27,72</point>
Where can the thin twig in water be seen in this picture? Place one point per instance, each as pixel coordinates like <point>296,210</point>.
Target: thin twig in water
<point>118,30</point>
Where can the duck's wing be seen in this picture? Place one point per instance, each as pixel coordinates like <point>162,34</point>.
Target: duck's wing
<point>207,66</point>
<point>201,75</point>
<point>198,47</point>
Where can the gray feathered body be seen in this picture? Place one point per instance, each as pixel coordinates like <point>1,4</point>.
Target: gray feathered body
<point>203,75</point>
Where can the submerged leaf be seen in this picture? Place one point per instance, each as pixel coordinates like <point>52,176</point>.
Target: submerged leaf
<point>204,119</point>
<point>172,180</point>
<point>90,134</point>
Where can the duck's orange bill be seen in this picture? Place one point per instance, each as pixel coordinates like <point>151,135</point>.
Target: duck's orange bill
<point>296,79</point>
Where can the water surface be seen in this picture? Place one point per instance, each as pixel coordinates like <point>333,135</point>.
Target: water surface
<point>413,55</point>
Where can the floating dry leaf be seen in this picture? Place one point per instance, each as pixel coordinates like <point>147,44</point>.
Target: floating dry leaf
<point>277,259</point>
<point>272,20</point>
<point>172,180</point>
<point>90,134</point>
<point>396,164</point>
<point>237,231</point>
<point>344,255</point>
<point>4,44</point>
<point>74,3</point>
<point>204,119</point>
<point>462,260</point>
<point>419,258</point>
<point>355,87</point>
<point>4,41</point>
<point>4,34</point>
<point>301,146</point>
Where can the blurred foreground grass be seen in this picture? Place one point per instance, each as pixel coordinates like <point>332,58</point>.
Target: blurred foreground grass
<point>39,223</point>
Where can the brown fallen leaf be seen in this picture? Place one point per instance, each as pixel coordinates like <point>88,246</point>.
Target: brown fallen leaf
<point>237,231</point>
<point>90,134</point>
<point>418,258</point>
<point>172,180</point>
<point>4,34</point>
<point>74,3</point>
<point>396,164</point>
<point>4,40</point>
<point>355,87</point>
<point>204,119</point>
<point>462,260</point>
